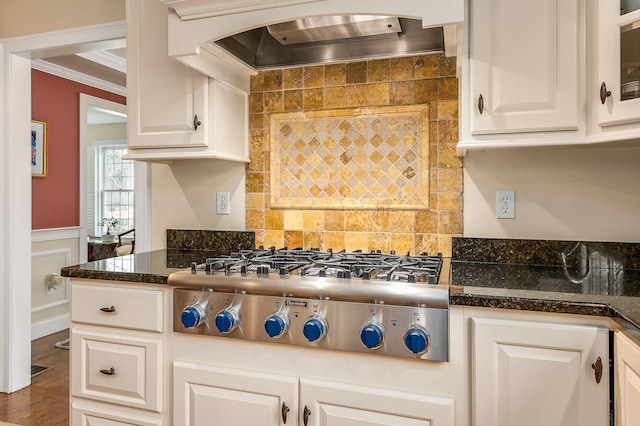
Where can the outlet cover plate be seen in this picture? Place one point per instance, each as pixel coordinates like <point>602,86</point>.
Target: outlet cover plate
<point>505,205</point>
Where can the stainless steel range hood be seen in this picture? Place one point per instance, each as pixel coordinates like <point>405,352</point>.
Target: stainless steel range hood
<point>327,39</point>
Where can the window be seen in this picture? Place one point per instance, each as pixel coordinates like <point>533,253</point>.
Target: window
<point>116,186</point>
<point>110,191</point>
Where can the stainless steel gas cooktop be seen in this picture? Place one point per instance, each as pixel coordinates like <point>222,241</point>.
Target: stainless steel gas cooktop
<point>370,302</point>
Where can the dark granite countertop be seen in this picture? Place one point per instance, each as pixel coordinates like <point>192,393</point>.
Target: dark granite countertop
<point>611,292</point>
<point>151,268</point>
<point>184,246</point>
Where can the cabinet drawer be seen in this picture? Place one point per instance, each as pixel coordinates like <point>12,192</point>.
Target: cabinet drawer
<point>87,413</point>
<point>117,368</point>
<point>135,308</point>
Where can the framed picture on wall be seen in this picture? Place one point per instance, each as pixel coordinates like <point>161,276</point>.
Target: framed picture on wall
<point>38,148</point>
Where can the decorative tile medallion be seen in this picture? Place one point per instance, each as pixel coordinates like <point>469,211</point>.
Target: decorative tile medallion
<point>355,158</point>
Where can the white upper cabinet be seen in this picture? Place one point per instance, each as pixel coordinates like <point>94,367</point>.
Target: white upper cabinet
<point>524,65</point>
<point>532,73</point>
<point>166,99</point>
<point>619,62</point>
<point>174,111</point>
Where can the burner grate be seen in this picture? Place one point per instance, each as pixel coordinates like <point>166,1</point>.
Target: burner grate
<point>373,265</point>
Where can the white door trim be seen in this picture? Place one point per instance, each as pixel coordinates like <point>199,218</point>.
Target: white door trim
<point>15,184</point>
<point>141,182</point>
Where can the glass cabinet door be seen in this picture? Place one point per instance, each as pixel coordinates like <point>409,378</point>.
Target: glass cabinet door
<point>619,62</point>
<point>629,53</point>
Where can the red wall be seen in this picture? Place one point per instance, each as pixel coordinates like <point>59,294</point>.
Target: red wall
<point>55,198</point>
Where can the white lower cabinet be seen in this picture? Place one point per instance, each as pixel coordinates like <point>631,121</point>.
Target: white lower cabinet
<point>530,373</point>
<point>117,370</point>
<point>213,396</point>
<point>627,391</point>
<point>336,404</point>
<point>85,413</point>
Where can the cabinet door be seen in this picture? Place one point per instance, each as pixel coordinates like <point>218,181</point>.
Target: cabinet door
<point>86,413</point>
<point>627,394</point>
<point>163,95</point>
<point>618,63</point>
<point>336,404</point>
<point>526,373</point>
<point>524,65</point>
<point>123,369</point>
<point>209,396</point>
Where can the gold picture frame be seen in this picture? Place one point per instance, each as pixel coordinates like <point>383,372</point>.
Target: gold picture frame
<point>38,148</point>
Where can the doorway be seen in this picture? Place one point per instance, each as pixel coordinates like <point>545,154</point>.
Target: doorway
<point>15,187</point>
<point>96,112</point>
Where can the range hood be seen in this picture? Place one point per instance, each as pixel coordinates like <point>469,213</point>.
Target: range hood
<point>230,40</point>
<point>327,39</point>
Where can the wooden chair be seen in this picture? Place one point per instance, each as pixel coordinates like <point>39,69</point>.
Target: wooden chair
<point>125,249</point>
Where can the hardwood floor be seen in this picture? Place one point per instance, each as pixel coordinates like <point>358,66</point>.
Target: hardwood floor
<point>46,401</point>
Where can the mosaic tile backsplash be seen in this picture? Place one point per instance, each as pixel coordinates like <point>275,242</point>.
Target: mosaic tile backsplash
<point>364,218</point>
<point>361,158</point>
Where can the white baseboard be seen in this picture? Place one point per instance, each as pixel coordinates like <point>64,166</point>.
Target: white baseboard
<point>49,326</point>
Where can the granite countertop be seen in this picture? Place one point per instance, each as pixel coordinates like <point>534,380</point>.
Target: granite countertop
<point>613,293</point>
<point>185,246</point>
<point>151,268</point>
<point>603,280</point>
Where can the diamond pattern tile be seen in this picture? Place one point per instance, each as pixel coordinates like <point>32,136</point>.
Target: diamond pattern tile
<point>357,158</point>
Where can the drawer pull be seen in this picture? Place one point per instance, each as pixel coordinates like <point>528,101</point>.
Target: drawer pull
<point>108,309</point>
<point>109,372</point>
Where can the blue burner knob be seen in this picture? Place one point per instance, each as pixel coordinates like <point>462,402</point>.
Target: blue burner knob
<point>372,336</point>
<point>193,316</point>
<point>314,329</point>
<point>416,339</point>
<point>275,325</point>
<point>225,321</point>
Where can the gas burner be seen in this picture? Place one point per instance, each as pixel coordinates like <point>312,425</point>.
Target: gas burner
<point>367,266</point>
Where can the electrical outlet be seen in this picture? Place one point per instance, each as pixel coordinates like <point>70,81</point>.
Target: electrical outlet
<point>222,202</point>
<point>52,281</point>
<point>505,204</point>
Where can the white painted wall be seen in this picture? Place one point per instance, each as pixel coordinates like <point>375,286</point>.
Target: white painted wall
<point>589,194</point>
<point>22,17</point>
<point>183,196</point>
<point>51,249</point>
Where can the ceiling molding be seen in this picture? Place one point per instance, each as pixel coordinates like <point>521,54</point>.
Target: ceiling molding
<point>107,59</point>
<point>49,68</point>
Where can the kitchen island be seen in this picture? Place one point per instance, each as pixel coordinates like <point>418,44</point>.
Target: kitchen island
<point>489,285</point>
<point>503,306</point>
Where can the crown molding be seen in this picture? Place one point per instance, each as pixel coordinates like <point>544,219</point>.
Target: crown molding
<point>49,68</point>
<point>107,59</point>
